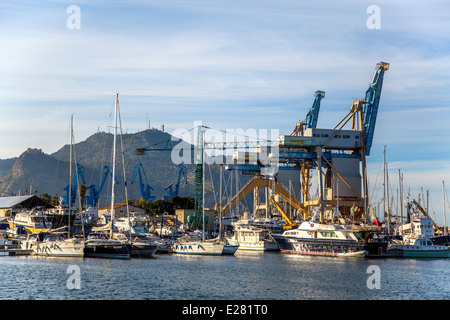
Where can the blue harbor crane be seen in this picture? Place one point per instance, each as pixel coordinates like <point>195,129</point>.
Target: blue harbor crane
<point>145,188</point>
<point>77,174</point>
<point>313,114</point>
<point>370,107</point>
<point>174,188</point>
<point>93,192</point>
<point>338,154</point>
<point>311,117</point>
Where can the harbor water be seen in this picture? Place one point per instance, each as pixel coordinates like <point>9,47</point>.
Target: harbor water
<point>249,276</point>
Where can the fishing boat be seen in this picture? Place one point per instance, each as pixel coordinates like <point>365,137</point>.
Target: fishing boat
<point>250,238</point>
<point>314,238</point>
<point>418,247</point>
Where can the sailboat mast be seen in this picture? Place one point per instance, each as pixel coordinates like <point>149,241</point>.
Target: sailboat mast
<point>220,202</point>
<point>443,208</point>
<point>203,182</point>
<point>385,192</point>
<point>70,174</point>
<point>114,162</point>
<point>400,184</point>
<point>124,175</point>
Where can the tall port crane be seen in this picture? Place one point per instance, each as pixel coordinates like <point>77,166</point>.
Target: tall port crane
<point>145,188</point>
<point>93,192</point>
<point>77,174</point>
<point>312,116</point>
<point>174,187</point>
<point>372,100</point>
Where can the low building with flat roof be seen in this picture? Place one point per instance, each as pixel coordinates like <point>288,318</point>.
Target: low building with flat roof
<point>11,205</point>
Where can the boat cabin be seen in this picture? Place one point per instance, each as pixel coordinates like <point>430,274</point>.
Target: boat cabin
<point>418,226</point>
<point>314,230</point>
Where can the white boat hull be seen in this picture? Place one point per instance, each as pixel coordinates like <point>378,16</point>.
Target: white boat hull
<point>199,248</point>
<point>65,248</point>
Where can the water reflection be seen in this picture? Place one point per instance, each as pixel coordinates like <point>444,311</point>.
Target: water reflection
<point>249,276</point>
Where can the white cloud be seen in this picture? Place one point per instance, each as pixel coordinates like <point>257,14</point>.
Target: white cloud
<point>254,64</point>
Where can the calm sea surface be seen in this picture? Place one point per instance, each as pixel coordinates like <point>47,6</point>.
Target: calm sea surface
<point>240,277</point>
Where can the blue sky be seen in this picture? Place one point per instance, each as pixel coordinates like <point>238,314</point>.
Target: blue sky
<point>229,64</point>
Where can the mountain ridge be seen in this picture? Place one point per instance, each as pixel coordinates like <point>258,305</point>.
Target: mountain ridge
<point>37,172</point>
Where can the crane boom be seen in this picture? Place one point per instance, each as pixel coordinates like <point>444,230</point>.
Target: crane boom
<point>145,188</point>
<point>174,187</point>
<point>289,224</point>
<point>93,192</point>
<point>370,108</point>
<point>313,114</point>
<point>78,174</point>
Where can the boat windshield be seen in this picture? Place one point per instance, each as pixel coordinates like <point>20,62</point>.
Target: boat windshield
<point>98,235</point>
<point>52,237</point>
<point>140,223</point>
<point>358,235</point>
<point>37,219</point>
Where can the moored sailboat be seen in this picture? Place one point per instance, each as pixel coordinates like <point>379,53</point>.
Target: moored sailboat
<point>99,244</point>
<point>54,243</point>
<point>193,245</point>
<point>141,246</point>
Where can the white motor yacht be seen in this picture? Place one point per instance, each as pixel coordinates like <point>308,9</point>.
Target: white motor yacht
<point>252,239</point>
<point>314,238</point>
<point>34,221</point>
